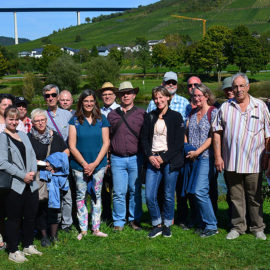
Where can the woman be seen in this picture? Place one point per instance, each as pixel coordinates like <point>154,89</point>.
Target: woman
<point>42,140</point>
<point>89,143</point>
<point>5,101</point>
<point>199,136</point>
<point>22,199</point>
<point>162,142</point>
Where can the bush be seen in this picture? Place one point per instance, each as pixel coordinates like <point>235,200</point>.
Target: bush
<point>100,70</point>
<point>65,73</point>
<point>31,86</point>
<point>260,89</point>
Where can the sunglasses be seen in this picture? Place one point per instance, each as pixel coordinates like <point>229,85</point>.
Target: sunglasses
<point>121,94</point>
<point>171,82</point>
<point>190,85</point>
<point>54,95</point>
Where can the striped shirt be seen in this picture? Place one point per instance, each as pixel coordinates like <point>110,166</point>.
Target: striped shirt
<point>178,104</point>
<point>244,134</point>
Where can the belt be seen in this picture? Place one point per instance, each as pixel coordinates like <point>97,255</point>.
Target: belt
<point>158,153</point>
<point>127,155</point>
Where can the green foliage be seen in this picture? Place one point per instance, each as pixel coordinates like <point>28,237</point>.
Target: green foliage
<point>100,70</point>
<point>6,41</point>
<point>29,86</point>
<point>23,64</point>
<point>247,51</point>
<point>3,65</point>
<point>49,54</point>
<point>117,55</point>
<point>143,54</point>
<point>78,38</point>
<point>46,40</point>
<point>82,56</point>
<point>94,51</point>
<point>8,54</point>
<point>87,20</point>
<point>65,73</point>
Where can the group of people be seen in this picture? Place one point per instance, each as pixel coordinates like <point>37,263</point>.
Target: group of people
<point>178,145</point>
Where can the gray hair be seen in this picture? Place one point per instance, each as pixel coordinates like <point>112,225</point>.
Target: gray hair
<point>49,87</point>
<point>206,92</point>
<point>37,112</point>
<point>240,74</point>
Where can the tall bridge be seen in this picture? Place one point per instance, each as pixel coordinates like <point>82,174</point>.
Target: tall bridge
<point>77,10</point>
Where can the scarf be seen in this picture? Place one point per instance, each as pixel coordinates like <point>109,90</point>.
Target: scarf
<point>42,138</point>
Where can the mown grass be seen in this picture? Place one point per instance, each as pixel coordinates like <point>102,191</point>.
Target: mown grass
<point>133,250</point>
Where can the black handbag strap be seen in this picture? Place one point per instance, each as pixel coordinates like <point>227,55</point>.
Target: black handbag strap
<point>124,117</point>
<point>9,153</point>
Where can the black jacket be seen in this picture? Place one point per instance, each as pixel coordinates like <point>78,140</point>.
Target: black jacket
<point>175,137</point>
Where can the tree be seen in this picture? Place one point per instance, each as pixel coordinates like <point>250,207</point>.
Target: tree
<point>49,54</point>
<point>87,20</point>
<point>82,56</point>
<point>117,55</point>
<point>247,51</point>
<point>159,55</point>
<point>78,38</point>
<point>100,70</point>
<point>65,73</point>
<point>46,40</point>
<point>3,65</point>
<point>30,83</point>
<point>143,54</point>
<point>212,52</point>
<point>94,51</point>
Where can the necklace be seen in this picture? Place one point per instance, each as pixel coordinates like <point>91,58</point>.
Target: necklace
<point>157,130</point>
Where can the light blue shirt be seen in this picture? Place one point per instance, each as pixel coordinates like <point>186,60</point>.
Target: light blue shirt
<point>107,110</point>
<point>61,118</point>
<point>178,104</point>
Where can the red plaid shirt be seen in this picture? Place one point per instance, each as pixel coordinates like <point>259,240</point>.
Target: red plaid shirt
<point>27,124</point>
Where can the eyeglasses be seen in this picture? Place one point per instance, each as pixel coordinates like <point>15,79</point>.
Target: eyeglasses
<point>107,95</point>
<point>54,95</point>
<point>241,86</point>
<point>121,94</point>
<point>171,82</point>
<point>190,85</point>
<point>198,96</point>
<point>40,121</point>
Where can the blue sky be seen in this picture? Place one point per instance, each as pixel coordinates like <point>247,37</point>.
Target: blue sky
<point>36,25</point>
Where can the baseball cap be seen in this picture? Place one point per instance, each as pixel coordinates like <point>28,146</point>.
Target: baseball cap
<point>170,75</point>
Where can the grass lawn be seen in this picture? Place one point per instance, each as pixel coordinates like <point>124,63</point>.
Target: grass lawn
<point>133,250</point>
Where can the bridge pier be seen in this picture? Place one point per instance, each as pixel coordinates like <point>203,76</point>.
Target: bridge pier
<point>15,29</point>
<point>78,18</point>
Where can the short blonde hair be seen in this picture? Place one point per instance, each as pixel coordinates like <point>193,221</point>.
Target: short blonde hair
<point>37,112</point>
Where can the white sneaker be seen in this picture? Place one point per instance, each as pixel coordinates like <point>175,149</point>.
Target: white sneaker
<point>31,250</point>
<point>17,257</point>
<point>260,235</point>
<point>232,235</point>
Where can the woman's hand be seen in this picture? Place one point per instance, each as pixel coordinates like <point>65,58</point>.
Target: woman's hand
<point>89,168</point>
<point>192,154</point>
<point>154,161</point>
<point>29,177</point>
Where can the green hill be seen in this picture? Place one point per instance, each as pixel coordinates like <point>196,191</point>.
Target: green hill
<point>154,22</point>
<point>5,41</point>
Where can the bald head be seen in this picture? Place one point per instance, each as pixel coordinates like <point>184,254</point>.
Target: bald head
<point>191,81</point>
<point>65,100</point>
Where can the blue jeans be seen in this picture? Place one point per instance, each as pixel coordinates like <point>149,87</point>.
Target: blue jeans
<point>153,178</point>
<point>125,172</point>
<point>204,174</point>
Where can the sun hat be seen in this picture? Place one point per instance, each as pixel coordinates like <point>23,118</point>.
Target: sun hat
<point>127,87</point>
<point>107,86</point>
<point>227,83</point>
<point>170,75</point>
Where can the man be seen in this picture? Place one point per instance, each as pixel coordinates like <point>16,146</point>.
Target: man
<point>126,122</point>
<point>178,103</point>
<point>21,104</point>
<point>191,83</point>
<point>108,97</point>
<point>107,92</point>
<point>58,121</point>
<point>65,100</point>
<point>227,88</point>
<point>243,126</point>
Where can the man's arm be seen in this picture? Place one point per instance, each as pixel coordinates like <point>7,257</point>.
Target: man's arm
<point>219,163</point>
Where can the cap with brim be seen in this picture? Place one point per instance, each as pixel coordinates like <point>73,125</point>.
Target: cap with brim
<point>170,75</point>
<point>107,86</point>
<point>127,87</point>
<point>20,100</point>
<point>227,83</point>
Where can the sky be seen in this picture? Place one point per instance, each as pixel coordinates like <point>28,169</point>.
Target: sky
<point>39,24</point>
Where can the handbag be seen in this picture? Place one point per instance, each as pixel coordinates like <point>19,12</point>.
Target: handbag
<point>6,178</point>
<point>42,190</point>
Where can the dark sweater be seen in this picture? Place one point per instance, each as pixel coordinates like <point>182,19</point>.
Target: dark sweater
<point>175,137</point>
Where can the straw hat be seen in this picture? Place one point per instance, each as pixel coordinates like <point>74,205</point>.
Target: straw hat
<point>127,87</point>
<point>107,86</point>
